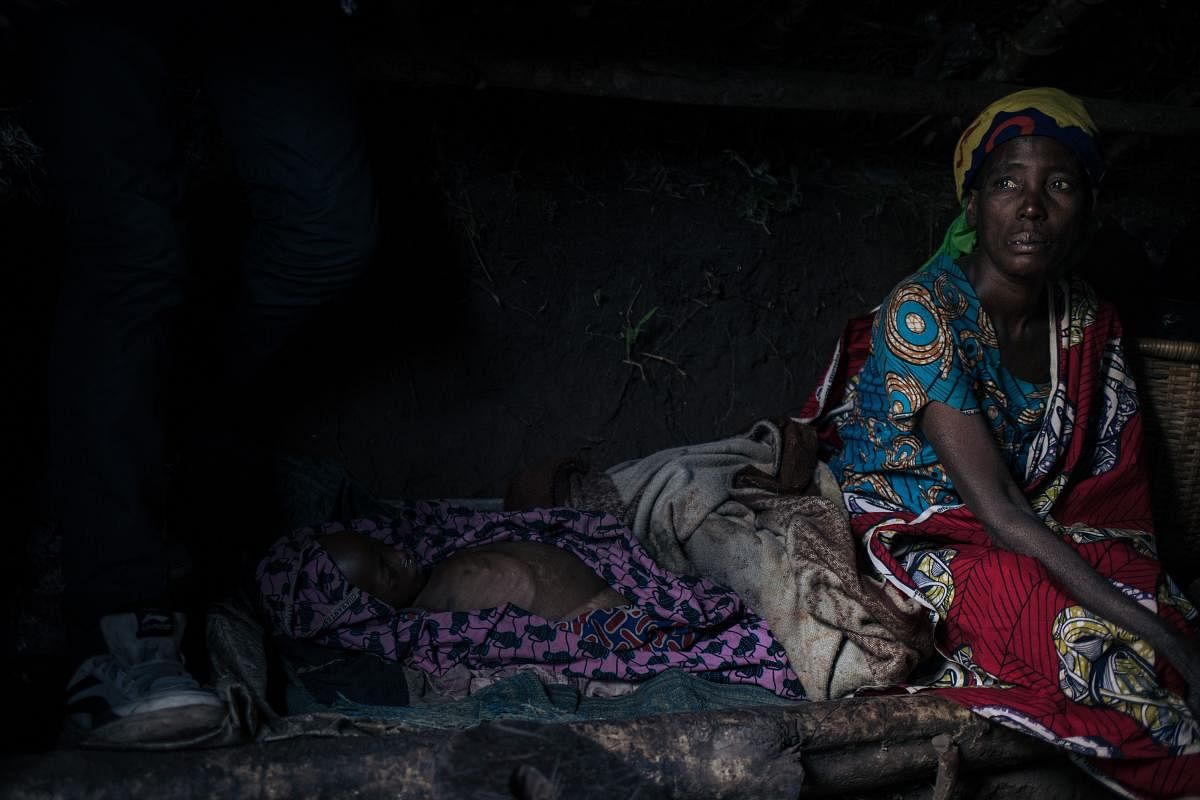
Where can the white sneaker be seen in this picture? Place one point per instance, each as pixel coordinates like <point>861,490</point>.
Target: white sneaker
<point>139,692</point>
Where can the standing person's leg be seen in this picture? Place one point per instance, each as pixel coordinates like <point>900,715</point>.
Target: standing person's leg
<point>286,107</point>
<point>111,158</point>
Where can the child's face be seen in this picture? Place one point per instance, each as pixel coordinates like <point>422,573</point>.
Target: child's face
<point>389,574</point>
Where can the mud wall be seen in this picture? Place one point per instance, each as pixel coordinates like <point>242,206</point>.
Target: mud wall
<point>602,279</point>
<point>564,276</point>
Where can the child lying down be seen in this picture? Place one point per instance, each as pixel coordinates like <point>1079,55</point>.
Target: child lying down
<point>571,594</point>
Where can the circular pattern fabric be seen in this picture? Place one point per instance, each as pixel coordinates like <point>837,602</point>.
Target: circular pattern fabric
<point>932,341</point>
<point>915,327</point>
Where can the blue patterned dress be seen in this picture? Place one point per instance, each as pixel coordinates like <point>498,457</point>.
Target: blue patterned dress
<point>931,340</point>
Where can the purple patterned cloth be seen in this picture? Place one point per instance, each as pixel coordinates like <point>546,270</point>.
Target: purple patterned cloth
<point>671,621</point>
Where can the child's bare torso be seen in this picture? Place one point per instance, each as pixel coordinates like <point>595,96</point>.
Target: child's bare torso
<point>540,578</point>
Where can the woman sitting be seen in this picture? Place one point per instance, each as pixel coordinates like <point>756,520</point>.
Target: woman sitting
<point>990,458</point>
<point>468,598</point>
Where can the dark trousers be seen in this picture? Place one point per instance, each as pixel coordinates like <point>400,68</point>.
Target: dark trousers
<point>113,158</point>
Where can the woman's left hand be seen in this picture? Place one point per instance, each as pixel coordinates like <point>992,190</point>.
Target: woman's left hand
<point>969,454</point>
<point>1187,662</point>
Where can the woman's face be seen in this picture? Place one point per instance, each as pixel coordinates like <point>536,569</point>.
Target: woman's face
<point>378,569</point>
<point>1030,207</point>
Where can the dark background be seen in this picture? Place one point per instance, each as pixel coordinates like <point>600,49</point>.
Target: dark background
<point>600,277</point>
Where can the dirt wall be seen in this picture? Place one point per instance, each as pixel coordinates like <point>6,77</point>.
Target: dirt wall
<point>604,279</point>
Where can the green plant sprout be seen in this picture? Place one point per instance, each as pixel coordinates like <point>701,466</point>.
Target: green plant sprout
<point>767,195</point>
<point>633,332</point>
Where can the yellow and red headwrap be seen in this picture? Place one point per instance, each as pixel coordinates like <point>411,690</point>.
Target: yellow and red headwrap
<point>1030,112</point>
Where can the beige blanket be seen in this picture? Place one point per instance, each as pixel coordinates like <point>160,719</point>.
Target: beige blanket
<point>759,514</point>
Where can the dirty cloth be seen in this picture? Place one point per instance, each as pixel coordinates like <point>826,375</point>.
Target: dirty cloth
<point>244,666</point>
<point>524,695</point>
<point>748,513</point>
<point>670,621</point>
<point>1019,649</point>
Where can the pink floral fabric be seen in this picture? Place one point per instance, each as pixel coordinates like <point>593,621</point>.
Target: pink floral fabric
<point>671,621</point>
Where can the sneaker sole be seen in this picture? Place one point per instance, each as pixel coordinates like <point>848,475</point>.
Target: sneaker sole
<point>168,700</point>
<point>176,724</point>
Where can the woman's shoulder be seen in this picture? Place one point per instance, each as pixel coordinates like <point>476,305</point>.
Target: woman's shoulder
<point>936,297</point>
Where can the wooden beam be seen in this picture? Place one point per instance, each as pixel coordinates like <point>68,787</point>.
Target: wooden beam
<point>818,749</point>
<point>742,87</point>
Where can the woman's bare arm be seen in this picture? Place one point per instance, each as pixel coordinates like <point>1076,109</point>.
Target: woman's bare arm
<point>973,463</point>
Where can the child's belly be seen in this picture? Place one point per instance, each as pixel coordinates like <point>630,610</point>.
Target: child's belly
<point>540,578</point>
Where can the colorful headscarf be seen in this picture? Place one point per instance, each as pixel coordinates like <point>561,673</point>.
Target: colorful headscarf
<point>1029,112</point>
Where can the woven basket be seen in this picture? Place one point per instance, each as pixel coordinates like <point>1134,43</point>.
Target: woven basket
<point>1169,385</point>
